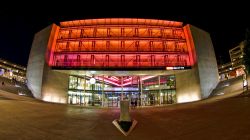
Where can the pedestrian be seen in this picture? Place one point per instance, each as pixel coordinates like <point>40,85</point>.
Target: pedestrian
<point>132,103</point>
<point>3,83</point>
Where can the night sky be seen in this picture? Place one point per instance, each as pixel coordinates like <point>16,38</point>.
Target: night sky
<point>226,25</point>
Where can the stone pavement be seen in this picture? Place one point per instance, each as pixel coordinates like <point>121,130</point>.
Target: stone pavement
<point>219,117</point>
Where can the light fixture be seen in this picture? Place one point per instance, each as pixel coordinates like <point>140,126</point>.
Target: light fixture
<point>92,80</point>
<point>245,83</point>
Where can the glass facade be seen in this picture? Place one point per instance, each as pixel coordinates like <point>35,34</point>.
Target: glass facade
<point>108,90</point>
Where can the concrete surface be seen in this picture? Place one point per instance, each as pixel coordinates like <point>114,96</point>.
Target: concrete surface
<point>206,61</point>
<point>36,62</point>
<point>124,111</point>
<point>214,118</point>
<point>44,83</point>
<point>199,82</point>
<point>188,89</point>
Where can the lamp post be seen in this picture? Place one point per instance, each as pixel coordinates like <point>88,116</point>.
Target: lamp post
<point>245,82</point>
<point>92,82</point>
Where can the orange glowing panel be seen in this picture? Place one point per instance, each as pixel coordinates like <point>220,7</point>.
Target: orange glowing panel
<point>121,21</point>
<point>190,45</point>
<point>121,43</point>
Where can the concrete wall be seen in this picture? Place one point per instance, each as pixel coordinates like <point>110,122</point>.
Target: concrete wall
<point>55,86</point>
<point>206,61</point>
<point>199,82</point>
<point>43,82</point>
<point>188,86</point>
<point>36,61</point>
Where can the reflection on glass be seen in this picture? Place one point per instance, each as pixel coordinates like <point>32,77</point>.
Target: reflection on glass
<point>151,90</point>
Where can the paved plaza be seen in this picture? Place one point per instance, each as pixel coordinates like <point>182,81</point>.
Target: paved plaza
<point>220,117</point>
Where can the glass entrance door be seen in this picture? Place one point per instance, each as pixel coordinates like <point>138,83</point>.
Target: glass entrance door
<point>113,99</point>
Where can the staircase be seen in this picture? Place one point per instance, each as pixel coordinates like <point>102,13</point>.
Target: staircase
<point>15,87</point>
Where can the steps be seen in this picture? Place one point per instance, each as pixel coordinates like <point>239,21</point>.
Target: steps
<point>14,87</point>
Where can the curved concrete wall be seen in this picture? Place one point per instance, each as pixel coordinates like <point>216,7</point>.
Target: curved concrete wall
<point>188,86</point>
<point>37,61</point>
<point>43,82</point>
<point>206,61</point>
<point>199,82</point>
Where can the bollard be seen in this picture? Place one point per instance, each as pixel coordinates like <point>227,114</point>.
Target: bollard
<point>124,111</point>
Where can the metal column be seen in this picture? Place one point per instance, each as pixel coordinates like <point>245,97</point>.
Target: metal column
<point>84,89</point>
<point>141,88</point>
<point>103,91</point>
<point>122,88</point>
<point>159,94</point>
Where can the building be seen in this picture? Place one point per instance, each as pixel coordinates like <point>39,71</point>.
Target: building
<point>236,67</point>
<point>226,70</point>
<point>236,56</point>
<point>102,61</point>
<point>12,71</point>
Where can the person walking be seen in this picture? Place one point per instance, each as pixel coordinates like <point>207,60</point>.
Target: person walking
<point>132,103</point>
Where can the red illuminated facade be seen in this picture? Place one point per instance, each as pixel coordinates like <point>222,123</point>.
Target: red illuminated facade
<point>150,61</point>
<point>121,44</point>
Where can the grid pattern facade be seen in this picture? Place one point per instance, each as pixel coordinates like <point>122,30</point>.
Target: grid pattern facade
<point>121,44</point>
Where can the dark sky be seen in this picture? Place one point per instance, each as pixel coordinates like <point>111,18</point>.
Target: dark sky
<point>226,24</point>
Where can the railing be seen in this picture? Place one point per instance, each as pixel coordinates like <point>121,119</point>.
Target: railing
<point>118,64</point>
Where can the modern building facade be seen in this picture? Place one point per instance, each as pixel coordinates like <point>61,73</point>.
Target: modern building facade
<point>11,70</point>
<point>102,61</point>
<point>236,67</point>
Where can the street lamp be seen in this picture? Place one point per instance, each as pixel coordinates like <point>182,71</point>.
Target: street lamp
<point>92,82</point>
<point>245,85</point>
<point>245,82</point>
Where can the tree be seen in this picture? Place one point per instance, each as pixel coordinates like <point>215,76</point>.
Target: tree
<point>246,57</point>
